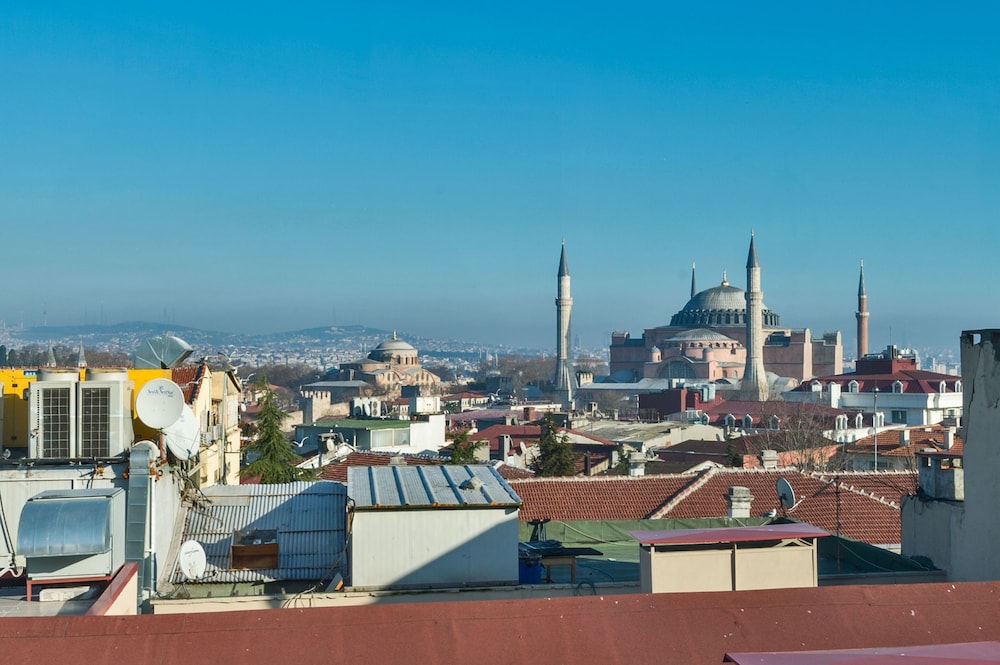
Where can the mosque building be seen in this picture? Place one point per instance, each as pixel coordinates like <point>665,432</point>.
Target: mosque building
<point>722,335</point>
<point>390,365</point>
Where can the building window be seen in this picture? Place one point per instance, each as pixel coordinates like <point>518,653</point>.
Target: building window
<point>859,421</point>
<point>95,426</point>
<point>958,386</point>
<point>841,422</point>
<point>747,421</point>
<point>897,386</point>
<point>899,416</point>
<point>773,423</point>
<point>56,422</point>
<point>942,387</point>
<point>852,387</point>
<point>730,421</point>
<point>816,387</point>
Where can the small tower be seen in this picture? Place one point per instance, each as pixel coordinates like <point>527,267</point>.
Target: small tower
<point>563,379</point>
<point>694,285</point>
<point>862,315</point>
<point>754,386</point>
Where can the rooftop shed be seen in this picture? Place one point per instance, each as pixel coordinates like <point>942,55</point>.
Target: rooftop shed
<point>432,526</point>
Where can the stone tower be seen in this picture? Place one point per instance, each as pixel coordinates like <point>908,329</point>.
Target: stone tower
<point>862,315</point>
<point>564,366</point>
<point>754,386</point>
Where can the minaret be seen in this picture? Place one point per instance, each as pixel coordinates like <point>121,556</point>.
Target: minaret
<point>564,304</point>
<point>694,286</point>
<point>754,386</point>
<point>862,315</point>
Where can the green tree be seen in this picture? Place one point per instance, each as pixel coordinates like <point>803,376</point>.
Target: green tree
<point>556,456</point>
<point>275,460</point>
<point>463,451</point>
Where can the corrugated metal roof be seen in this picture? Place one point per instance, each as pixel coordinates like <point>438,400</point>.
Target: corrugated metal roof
<point>310,518</point>
<point>450,486</point>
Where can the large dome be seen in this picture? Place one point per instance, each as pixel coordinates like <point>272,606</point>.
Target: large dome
<point>393,350</point>
<point>719,307</point>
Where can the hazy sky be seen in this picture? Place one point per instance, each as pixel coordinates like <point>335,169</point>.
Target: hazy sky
<point>263,166</point>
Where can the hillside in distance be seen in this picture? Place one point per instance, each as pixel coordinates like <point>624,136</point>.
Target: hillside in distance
<point>321,347</point>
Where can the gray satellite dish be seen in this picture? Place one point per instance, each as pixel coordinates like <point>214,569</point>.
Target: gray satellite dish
<point>191,559</point>
<point>163,352</point>
<point>183,437</point>
<point>159,403</point>
<point>785,494</point>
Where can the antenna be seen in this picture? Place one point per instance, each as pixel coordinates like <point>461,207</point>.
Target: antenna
<point>159,403</point>
<point>191,559</point>
<point>785,493</point>
<point>183,437</point>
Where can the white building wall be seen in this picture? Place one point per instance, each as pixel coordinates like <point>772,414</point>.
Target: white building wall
<point>434,548</point>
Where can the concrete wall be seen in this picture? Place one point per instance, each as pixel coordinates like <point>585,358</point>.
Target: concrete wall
<point>930,529</point>
<point>975,557</point>
<point>434,548</point>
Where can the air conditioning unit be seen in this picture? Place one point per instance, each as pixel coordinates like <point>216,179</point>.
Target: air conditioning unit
<point>80,419</point>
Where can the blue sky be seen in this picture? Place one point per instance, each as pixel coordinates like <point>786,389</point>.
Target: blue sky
<point>260,167</point>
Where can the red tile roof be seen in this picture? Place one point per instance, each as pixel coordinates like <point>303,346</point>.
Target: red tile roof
<point>188,377</point>
<point>597,497</point>
<point>338,470</point>
<point>761,412</point>
<point>869,501</point>
<point>915,381</point>
<point>528,434</point>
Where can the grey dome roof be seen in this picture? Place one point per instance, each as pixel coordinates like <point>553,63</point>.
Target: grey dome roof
<point>721,297</point>
<point>722,306</point>
<point>395,345</point>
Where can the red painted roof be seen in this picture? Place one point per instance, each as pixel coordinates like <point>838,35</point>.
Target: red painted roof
<point>727,535</point>
<point>915,381</point>
<point>666,629</point>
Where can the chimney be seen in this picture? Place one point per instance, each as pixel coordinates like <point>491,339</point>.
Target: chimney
<point>904,437</point>
<point>529,414</point>
<point>637,464</point>
<point>949,438</point>
<point>769,459</point>
<point>739,500</point>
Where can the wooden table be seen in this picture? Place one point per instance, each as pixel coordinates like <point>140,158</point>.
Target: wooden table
<point>567,557</point>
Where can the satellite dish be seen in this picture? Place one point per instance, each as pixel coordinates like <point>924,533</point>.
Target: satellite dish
<point>163,352</point>
<point>785,494</point>
<point>183,437</point>
<point>159,403</point>
<point>191,559</point>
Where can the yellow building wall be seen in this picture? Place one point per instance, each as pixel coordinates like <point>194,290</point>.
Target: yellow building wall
<point>16,381</point>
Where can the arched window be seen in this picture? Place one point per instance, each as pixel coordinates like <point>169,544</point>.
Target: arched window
<point>859,421</point>
<point>816,387</point>
<point>730,421</point>
<point>747,421</point>
<point>958,386</point>
<point>943,387</point>
<point>841,422</point>
<point>852,387</point>
<point>897,386</point>
<point>774,423</point>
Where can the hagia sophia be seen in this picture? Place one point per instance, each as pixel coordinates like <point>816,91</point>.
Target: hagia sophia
<point>708,340</point>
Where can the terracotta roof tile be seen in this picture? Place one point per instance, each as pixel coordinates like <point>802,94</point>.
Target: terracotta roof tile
<point>597,497</point>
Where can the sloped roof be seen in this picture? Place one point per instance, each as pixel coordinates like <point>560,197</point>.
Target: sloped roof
<point>310,518</point>
<point>596,498</point>
<point>188,377</point>
<point>760,412</point>
<point>337,470</point>
<point>407,487</point>
<point>869,501</point>
<point>915,381</point>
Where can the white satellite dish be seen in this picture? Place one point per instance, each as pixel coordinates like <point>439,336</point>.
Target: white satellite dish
<point>191,559</point>
<point>183,438</point>
<point>159,403</point>
<point>785,493</point>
